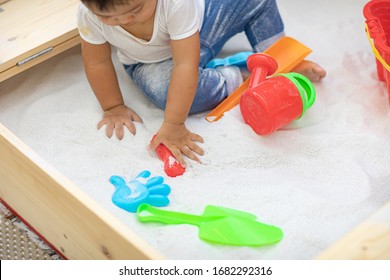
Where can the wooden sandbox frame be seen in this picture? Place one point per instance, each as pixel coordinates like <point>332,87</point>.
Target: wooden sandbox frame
<point>73,223</point>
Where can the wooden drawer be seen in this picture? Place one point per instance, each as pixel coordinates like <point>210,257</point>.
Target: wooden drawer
<point>33,31</point>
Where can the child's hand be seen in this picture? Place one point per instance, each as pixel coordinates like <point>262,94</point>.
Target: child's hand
<point>179,140</point>
<point>117,117</point>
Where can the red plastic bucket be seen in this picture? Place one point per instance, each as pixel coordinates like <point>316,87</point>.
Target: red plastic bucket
<point>377,14</point>
<point>276,102</point>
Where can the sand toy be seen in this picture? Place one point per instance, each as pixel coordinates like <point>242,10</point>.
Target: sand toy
<point>140,190</point>
<point>261,66</point>
<point>171,166</point>
<point>276,102</point>
<point>377,14</point>
<point>238,59</point>
<point>218,224</point>
<point>287,52</point>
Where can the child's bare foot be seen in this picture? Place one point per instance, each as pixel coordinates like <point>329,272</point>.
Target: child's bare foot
<point>311,70</point>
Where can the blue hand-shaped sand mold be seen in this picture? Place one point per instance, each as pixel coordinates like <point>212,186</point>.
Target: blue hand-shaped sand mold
<point>140,190</point>
<point>238,59</point>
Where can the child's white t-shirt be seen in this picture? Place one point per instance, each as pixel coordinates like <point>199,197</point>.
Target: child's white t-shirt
<point>174,20</point>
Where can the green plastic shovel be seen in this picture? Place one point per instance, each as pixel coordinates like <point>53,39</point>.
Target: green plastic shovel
<point>218,225</point>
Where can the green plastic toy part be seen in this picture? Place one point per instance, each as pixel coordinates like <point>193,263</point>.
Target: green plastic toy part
<point>218,224</point>
<point>305,88</point>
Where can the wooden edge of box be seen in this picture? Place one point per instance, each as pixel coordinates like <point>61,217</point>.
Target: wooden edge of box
<point>370,240</point>
<point>39,54</point>
<point>68,219</point>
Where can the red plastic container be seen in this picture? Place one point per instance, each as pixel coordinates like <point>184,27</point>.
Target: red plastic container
<point>276,102</point>
<point>377,14</point>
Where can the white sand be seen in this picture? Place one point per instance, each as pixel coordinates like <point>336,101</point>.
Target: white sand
<point>316,179</point>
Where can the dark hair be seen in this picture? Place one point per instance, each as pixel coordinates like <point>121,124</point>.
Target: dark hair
<point>104,5</point>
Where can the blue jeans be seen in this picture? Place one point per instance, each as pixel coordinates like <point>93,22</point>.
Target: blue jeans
<point>259,19</point>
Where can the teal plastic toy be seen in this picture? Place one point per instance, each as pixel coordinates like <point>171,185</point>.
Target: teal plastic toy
<point>238,59</point>
<point>140,190</point>
<point>218,224</point>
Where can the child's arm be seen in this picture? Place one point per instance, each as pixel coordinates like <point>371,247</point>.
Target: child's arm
<point>102,77</point>
<point>182,89</point>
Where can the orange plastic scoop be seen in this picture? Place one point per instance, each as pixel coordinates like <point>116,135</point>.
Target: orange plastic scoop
<point>287,52</point>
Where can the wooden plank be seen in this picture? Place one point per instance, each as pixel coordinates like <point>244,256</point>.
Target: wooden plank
<point>368,241</point>
<point>29,28</point>
<point>69,219</point>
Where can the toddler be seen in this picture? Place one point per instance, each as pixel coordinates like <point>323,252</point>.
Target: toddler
<point>164,46</point>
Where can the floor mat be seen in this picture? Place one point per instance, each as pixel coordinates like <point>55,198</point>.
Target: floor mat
<point>19,242</point>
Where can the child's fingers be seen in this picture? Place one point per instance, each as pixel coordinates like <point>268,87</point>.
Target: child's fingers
<point>189,153</point>
<point>130,126</point>
<point>196,137</point>
<point>137,118</point>
<point>109,130</point>
<point>119,130</point>
<point>178,155</point>
<point>153,144</point>
<point>101,123</point>
<point>194,147</point>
